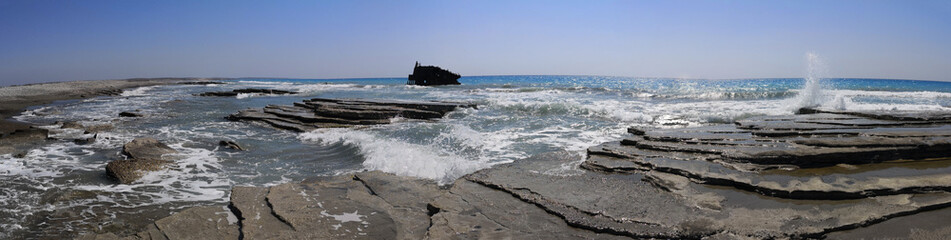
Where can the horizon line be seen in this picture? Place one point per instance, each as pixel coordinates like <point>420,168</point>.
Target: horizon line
<point>491,75</point>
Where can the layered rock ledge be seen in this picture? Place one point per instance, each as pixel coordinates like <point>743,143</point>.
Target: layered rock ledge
<point>328,113</point>
<point>235,92</point>
<point>749,180</point>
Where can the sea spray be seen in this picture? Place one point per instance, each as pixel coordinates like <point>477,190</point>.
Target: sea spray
<point>518,116</point>
<point>811,93</point>
<point>398,157</point>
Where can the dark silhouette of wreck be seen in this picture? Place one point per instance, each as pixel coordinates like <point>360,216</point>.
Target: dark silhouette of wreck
<point>431,76</point>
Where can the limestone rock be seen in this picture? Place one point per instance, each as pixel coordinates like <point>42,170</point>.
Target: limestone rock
<point>328,113</point>
<point>798,176</point>
<point>127,171</point>
<point>71,124</point>
<point>145,154</point>
<point>230,145</point>
<point>200,223</point>
<point>257,219</point>
<point>235,92</point>
<point>146,148</point>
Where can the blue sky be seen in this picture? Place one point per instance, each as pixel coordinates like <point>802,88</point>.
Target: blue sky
<point>77,40</point>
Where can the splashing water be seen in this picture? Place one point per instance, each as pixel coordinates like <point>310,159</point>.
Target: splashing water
<point>811,94</point>
<point>60,190</point>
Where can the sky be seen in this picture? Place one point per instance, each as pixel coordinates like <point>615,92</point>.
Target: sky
<point>44,41</point>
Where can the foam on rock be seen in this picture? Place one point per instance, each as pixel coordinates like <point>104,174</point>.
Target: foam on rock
<point>331,113</point>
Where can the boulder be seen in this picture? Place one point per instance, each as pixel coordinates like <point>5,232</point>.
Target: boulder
<point>230,145</point>
<point>145,154</point>
<point>85,141</point>
<point>146,148</point>
<point>127,171</point>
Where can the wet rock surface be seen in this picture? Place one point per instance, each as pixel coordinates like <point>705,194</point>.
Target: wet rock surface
<point>146,148</point>
<point>230,145</point>
<point>806,175</point>
<point>145,154</point>
<point>235,92</point>
<point>22,140</point>
<point>714,182</point>
<point>329,113</point>
<point>369,205</point>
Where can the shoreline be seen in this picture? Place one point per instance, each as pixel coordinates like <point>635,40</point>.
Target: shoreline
<point>771,176</point>
<point>20,97</point>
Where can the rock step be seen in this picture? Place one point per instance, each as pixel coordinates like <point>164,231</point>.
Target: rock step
<point>676,207</point>
<point>435,106</point>
<point>307,116</point>
<point>520,200</point>
<point>235,92</point>
<point>858,146</point>
<point>367,111</point>
<point>327,113</point>
<point>836,184</point>
<point>895,115</point>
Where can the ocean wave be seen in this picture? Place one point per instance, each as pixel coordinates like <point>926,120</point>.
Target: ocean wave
<point>140,91</point>
<point>399,157</point>
<point>323,87</point>
<point>753,95</point>
<point>887,94</point>
<point>861,100</point>
<point>246,95</point>
<point>625,111</point>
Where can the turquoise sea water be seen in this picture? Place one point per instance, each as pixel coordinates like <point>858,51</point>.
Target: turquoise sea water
<point>61,189</point>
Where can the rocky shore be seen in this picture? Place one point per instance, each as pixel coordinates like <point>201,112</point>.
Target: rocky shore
<point>815,174</point>
<point>16,136</point>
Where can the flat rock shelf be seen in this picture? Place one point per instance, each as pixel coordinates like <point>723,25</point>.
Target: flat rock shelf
<point>811,175</point>
<point>328,113</point>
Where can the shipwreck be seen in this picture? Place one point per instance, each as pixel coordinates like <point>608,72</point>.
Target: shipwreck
<point>432,76</point>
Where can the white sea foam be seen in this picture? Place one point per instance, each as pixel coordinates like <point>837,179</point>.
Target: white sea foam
<point>140,91</point>
<point>398,157</point>
<point>195,175</point>
<point>847,100</point>
<point>246,95</point>
<point>810,96</point>
<point>323,87</point>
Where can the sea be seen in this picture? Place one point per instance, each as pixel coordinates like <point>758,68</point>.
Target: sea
<point>61,189</point>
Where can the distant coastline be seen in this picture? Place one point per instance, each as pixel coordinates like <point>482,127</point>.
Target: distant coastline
<point>16,98</point>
